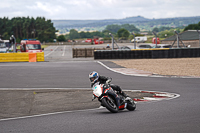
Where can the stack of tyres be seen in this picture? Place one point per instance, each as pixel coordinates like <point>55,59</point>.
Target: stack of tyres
<point>120,55</point>
<point>161,53</point>
<point>124,53</point>
<point>101,54</point>
<point>171,53</point>
<point>127,55</point>
<point>190,54</point>
<point>132,56</point>
<point>140,55</point>
<point>148,54</point>
<point>179,53</point>
<point>144,54</point>
<point>137,54</point>
<point>113,54</point>
<point>154,54</point>
<point>166,53</point>
<point>184,53</point>
<point>175,53</point>
<point>198,52</point>
<point>117,54</point>
<point>194,53</point>
<point>107,54</point>
<point>96,55</point>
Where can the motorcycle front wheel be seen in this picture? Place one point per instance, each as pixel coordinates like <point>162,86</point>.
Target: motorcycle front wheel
<point>110,104</point>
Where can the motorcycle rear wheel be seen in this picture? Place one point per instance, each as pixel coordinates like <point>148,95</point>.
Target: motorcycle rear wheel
<point>131,106</point>
<point>110,104</point>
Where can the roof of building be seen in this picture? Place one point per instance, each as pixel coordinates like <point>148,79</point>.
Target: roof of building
<point>185,36</point>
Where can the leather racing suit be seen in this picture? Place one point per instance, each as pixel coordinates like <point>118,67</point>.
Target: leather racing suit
<point>106,80</point>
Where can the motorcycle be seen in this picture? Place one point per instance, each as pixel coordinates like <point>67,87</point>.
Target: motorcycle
<point>111,99</point>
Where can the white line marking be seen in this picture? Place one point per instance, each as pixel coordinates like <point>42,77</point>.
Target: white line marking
<point>63,51</point>
<point>51,52</point>
<point>32,116</point>
<point>112,69</point>
<point>44,88</point>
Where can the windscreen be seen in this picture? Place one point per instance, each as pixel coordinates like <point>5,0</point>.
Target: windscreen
<point>33,46</point>
<point>2,45</point>
<point>167,46</point>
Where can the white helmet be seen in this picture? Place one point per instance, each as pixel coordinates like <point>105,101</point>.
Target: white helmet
<point>93,76</point>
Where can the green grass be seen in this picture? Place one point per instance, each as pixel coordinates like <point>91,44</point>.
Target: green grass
<point>44,46</point>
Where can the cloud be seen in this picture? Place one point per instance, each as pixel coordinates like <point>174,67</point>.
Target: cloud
<point>99,9</point>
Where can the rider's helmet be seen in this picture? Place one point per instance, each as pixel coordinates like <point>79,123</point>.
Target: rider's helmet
<point>93,76</point>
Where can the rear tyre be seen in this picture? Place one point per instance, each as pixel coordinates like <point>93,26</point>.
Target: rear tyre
<point>110,104</point>
<point>131,106</point>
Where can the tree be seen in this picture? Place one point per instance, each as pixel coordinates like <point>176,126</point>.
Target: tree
<point>82,34</point>
<point>113,28</point>
<point>123,33</point>
<point>28,28</point>
<point>130,28</point>
<point>73,34</point>
<point>166,33</point>
<point>61,38</point>
<point>192,27</point>
<point>155,29</point>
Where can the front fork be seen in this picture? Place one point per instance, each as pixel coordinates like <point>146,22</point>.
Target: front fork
<point>117,99</point>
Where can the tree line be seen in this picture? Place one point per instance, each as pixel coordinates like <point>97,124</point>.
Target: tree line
<point>192,27</point>
<point>120,31</point>
<point>27,28</point>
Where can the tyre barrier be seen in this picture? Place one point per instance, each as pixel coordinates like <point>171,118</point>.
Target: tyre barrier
<point>147,53</point>
<point>22,57</point>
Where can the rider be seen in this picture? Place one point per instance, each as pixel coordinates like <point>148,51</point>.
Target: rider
<point>95,77</point>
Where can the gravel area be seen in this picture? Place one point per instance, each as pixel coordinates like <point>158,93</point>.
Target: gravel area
<point>179,66</point>
<point>19,103</point>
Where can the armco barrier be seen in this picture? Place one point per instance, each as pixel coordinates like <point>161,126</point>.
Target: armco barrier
<point>14,57</point>
<point>20,57</point>
<point>40,56</point>
<point>147,53</point>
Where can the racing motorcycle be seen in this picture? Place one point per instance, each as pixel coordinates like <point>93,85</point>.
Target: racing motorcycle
<point>111,99</point>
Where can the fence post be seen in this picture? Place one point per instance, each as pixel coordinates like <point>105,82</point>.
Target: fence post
<point>76,52</point>
<point>72,52</point>
<point>85,52</point>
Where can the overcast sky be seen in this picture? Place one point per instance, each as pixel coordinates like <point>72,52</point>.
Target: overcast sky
<point>98,9</point>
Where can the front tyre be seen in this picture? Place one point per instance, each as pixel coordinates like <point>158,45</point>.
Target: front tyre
<point>110,104</point>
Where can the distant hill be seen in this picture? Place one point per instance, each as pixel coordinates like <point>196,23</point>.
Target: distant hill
<point>81,23</point>
<point>139,21</point>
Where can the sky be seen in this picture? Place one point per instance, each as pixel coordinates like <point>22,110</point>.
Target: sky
<point>98,9</point>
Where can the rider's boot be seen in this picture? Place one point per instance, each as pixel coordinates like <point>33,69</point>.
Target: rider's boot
<point>126,96</point>
<point>123,94</point>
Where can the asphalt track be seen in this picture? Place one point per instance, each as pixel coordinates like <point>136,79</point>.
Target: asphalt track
<point>167,116</point>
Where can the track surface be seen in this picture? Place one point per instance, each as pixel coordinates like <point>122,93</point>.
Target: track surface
<point>168,116</point>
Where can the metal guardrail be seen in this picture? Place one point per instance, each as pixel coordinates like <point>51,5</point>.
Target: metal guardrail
<point>85,52</point>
